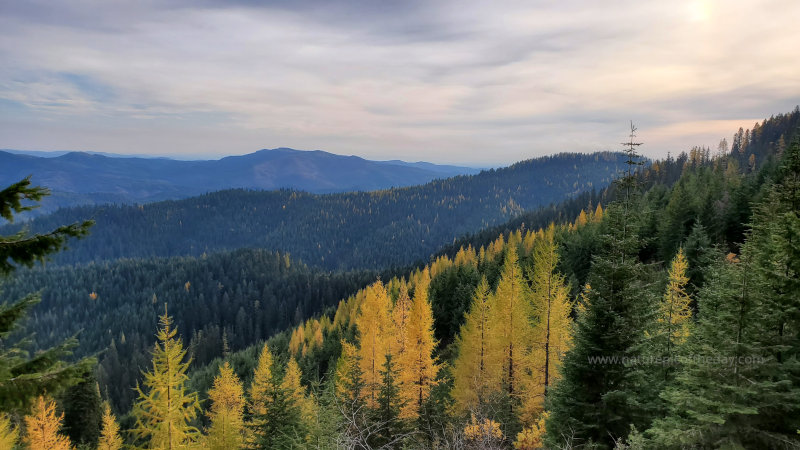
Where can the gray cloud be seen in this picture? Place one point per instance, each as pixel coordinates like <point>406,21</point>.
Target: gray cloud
<point>448,81</point>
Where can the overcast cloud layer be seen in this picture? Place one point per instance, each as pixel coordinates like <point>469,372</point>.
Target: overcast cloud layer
<point>480,83</point>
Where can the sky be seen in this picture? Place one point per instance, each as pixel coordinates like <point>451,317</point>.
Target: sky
<point>467,82</point>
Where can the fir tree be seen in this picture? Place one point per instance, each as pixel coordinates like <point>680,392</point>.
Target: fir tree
<point>226,411</point>
<point>598,399</point>
<point>164,412</point>
<point>83,412</point>
<point>109,433</point>
<point>389,427</point>
<point>42,427</point>
<point>23,377</point>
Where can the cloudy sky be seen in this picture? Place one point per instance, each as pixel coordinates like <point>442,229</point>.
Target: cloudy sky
<point>468,82</point>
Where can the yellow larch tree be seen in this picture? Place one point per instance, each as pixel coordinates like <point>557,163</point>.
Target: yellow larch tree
<point>401,315</point>
<point>511,331</point>
<point>674,311</point>
<point>42,426</point>
<point>226,411</point>
<point>109,431</point>
<point>263,383</point>
<point>376,335</point>
<point>8,433</point>
<point>297,393</point>
<point>417,366</point>
<point>552,329</point>
<point>581,220</point>
<point>597,217</point>
<point>164,412</point>
<point>472,374</point>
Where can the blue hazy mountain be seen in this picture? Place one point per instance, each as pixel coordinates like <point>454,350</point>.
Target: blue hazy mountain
<point>90,178</point>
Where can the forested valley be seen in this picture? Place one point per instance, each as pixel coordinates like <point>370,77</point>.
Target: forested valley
<point>660,312</point>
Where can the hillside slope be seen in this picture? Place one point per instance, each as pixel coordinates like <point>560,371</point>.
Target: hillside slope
<point>351,230</point>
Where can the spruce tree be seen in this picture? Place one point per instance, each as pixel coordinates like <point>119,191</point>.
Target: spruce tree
<point>83,412</point>
<point>22,376</point>
<point>165,407</point>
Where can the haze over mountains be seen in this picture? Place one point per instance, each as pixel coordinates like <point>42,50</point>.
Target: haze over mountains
<point>89,178</point>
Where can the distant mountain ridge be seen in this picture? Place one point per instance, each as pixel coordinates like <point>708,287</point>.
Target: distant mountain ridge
<point>377,229</point>
<point>90,178</point>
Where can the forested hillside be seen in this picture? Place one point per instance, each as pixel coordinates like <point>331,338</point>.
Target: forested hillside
<point>239,297</point>
<point>339,231</point>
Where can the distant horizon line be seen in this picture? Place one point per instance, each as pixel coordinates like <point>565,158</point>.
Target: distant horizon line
<point>58,153</point>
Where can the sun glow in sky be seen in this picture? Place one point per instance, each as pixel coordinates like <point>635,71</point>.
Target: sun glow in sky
<point>468,82</point>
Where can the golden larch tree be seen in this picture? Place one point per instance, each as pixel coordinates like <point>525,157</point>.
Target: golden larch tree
<point>42,426</point>
<point>418,368</point>
<point>674,311</point>
<point>376,335</point>
<point>297,393</point>
<point>552,329</point>
<point>165,407</point>
<point>226,411</point>
<point>109,431</point>
<point>511,331</point>
<point>263,383</point>
<point>472,374</point>
<point>401,315</point>
<point>8,433</point>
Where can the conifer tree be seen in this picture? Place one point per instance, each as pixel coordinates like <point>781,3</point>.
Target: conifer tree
<point>472,373</point>
<point>552,330</point>
<point>297,393</point>
<point>601,394</point>
<point>109,433</point>
<point>388,406</point>
<point>23,377</point>
<point>8,433</point>
<point>674,314</point>
<point>511,330</point>
<point>164,412</point>
<point>419,369</point>
<point>376,335</point>
<point>42,427</point>
<point>262,384</point>
<point>226,411</point>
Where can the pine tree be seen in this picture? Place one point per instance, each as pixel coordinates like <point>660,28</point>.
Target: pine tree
<point>42,426</point>
<point>8,433</point>
<point>418,369</point>
<point>163,412</point>
<point>109,433</point>
<point>552,330</point>
<point>511,331</point>
<point>226,411</point>
<point>22,377</point>
<point>472,373</point>
<point>376,335</point>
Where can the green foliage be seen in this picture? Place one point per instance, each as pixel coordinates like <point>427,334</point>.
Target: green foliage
<point>23,376</point>
<point>83,412</point>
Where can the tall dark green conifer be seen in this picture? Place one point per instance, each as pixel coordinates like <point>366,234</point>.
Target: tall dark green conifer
<point>602,390</point>
<point>23,377</point>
